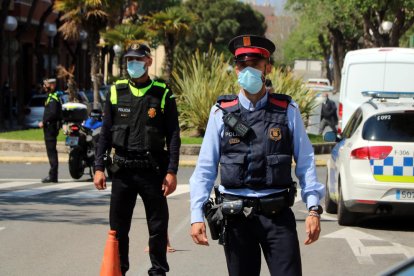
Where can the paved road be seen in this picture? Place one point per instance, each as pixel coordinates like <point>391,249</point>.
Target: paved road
<point>60,229</point>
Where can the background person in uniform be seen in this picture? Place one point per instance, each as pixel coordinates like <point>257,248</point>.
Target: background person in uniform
<point>140,119</point>
<point>52,117</point>
<point>256,169</point>
<point>328,114</point>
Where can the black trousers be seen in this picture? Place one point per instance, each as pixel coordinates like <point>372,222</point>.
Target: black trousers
<point>276,236</point>
<point>126,185</point>
<point>51,132</point>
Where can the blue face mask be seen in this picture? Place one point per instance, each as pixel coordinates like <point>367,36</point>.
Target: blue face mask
<point>136,68</point>
<point>250,79</point>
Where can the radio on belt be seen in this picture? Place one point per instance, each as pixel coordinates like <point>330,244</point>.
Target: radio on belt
<point>235,123</point>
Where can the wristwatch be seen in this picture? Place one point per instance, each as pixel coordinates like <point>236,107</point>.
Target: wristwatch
<point>317,209</point>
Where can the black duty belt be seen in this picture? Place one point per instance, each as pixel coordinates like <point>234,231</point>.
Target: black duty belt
<point>137,162</point>
<point>269,205</point>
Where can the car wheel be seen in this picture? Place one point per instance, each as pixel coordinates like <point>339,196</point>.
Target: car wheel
<point>330,206</point>
<point>345,218</point>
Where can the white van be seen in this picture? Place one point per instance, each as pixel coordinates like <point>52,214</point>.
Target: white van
<point>374,69</point>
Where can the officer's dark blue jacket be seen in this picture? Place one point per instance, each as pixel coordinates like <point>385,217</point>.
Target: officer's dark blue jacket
<point>262,159</point>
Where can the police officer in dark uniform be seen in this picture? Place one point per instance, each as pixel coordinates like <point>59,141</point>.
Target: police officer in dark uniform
<point>51,124</point>
<point>253,136</point>
<point>140,119</point>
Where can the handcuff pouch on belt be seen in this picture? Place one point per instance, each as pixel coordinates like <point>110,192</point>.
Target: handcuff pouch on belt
<point>232,207</point>
<point>272,205</point>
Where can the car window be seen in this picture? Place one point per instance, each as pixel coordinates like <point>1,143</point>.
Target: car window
<point>353,123</point>
<point>390,127</point>
<point>37,102</point>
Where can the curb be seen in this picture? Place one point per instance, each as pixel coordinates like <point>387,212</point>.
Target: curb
<point>36,147</point>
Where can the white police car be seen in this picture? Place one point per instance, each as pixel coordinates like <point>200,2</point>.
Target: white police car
<point>371,167</point>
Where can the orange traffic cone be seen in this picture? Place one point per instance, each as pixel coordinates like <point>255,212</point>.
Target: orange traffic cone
<point>110,263</point>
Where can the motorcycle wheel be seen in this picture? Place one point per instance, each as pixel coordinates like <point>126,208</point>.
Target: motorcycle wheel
<point>76,166</point>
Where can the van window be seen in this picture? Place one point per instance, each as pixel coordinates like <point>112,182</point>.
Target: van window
<point>390,127</point>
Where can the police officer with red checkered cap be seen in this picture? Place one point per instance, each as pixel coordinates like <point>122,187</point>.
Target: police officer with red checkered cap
<point>254,136</point>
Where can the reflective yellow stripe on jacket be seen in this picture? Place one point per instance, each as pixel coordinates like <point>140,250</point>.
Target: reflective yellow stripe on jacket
<point>138,92</point>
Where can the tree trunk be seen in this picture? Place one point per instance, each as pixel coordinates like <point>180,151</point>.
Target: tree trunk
<point>3,14</point>
<point>95,66</point>
<point>169,56</point>
<point>338,54</point>
<point>326,55</point>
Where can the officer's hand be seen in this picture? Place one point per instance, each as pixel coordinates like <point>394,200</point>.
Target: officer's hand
<point>313,229</point>
<point>40,124</point>
<point>169,184</point>
<point>99,180</point>
<point>198,233</point>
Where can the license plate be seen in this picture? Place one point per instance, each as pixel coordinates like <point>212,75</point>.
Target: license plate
<point>404,195</point>
<point>72,141</point>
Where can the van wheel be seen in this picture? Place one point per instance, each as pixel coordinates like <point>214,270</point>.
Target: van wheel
<point>345,218</point>
<point>330,206</point>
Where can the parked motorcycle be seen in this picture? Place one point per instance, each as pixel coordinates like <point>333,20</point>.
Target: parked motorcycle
<point>82,136</point>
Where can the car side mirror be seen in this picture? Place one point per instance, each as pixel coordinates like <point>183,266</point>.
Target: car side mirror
<point>330,136</point>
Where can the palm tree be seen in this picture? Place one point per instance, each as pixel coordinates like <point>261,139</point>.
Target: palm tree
<point>169,26</point>
<point>121,34</point>
<point>91,16</point>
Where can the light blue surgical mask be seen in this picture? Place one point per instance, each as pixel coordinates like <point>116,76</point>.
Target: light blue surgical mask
<point>250,79</point>
<point>136,68</point>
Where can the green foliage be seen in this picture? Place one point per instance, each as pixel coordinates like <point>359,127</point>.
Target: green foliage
<point>197,81</point>
<point>284,82</point>
<point>148,7</point>
<point>121,33</point>
<point>28,135</point>
<point>219,21</point>
<point>167,27</point>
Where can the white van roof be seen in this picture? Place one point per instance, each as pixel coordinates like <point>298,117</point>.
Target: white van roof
<point>377,54</point>
<point>376,69</point>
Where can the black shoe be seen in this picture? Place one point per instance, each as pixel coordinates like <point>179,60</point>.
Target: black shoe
<point>48,179</point>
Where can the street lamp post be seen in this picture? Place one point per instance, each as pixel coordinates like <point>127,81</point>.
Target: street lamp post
<point>83,36</point>
<point>10,25</point>
<point>51,32</point>
<point>384,29</point>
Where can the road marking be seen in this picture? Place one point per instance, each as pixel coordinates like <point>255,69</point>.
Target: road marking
<point>46,189</point>
<point>181,189</point>
<point>37,180</point>
<point>363,253</point>
<point>2,228</point>
<point>88,194</point>
<point>15,184</point>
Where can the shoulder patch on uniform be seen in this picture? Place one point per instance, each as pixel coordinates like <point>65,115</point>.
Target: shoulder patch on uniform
<point>226,101</point>
<point>159,83</point>
<point>280,100</point>
<point>226,98</point>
